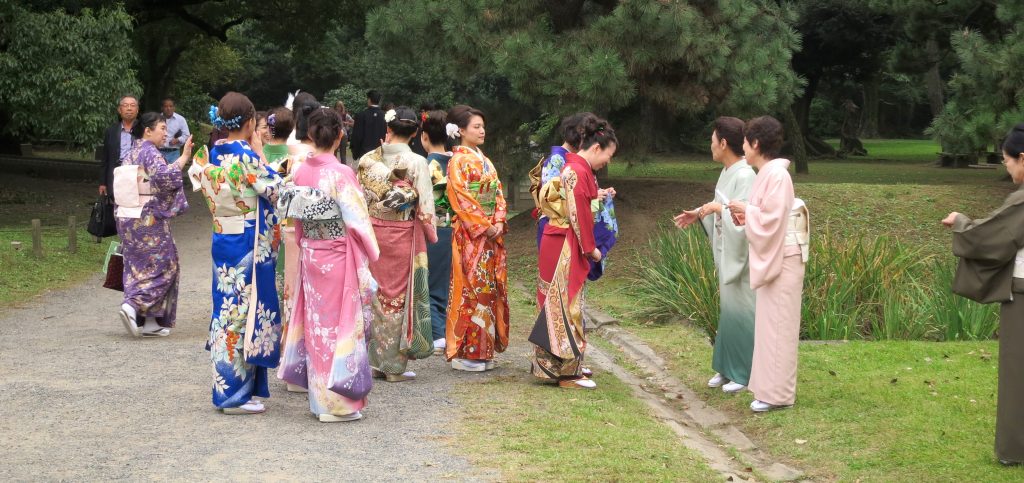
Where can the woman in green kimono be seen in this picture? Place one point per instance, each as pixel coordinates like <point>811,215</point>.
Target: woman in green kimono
<point>991,269</point>
<point>734,341</point>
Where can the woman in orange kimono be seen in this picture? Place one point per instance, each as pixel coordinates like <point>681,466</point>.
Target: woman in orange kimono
<point>477,324</point>
<point>567,247</point>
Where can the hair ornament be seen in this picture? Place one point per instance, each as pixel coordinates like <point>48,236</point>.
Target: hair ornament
<point>291,99</point>
<point>452,129</point>
<point>423,117</point>
<point>271,121</point>
<point>390,115</point>
<point>215,117</point>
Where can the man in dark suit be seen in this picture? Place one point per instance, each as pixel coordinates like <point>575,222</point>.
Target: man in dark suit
<point>117,141</point>
<point>370,128</point>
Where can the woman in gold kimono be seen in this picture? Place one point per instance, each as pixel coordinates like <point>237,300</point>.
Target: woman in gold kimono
<point>991,269</point>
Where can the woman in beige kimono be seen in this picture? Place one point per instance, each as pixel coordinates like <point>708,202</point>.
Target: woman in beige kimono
<point>400,198</point>
<point>776,266</point>
<point>991,269</point>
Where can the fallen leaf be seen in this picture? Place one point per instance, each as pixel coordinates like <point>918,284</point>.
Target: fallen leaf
<point>831,372</point>
<point>799,441</point>
<point>973,401</point>
<point>893,381</point>
<point>927,359</point>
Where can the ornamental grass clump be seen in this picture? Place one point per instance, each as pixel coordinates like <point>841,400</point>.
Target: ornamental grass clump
<point>855,287</point>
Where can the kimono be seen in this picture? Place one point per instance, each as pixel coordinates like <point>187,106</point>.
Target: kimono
<point>777,276</point>
<point>297,154</point>
<point>398,188</point>
<point>477,320</point>
<point>151,270</point>
<point>991,269</point>
<point>606,225</point>
<point>245,327</point>
<point>335,291</point>
<point>550,168</point>
<point>563,265</point>
<point>734,340</point>
<point>439,253</point>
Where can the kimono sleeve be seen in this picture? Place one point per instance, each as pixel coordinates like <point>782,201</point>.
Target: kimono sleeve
<point>163,177</point>
<point>354,213</point>
<point>766,221</point>
<point>987,250</point>
<point>734,238</point>
<point>500,206</point>
<point>578,195</point>
<point>264,180</point>
<point>468,210</point>
<point>423,182</point>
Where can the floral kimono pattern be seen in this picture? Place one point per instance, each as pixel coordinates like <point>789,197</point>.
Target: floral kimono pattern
<point>563,265</point>
<point>398,190</point>
<point>297,154</point>
<point>330,325</point>
<point>151,270</point>
<point>478,316</point>
<point>246,322</point>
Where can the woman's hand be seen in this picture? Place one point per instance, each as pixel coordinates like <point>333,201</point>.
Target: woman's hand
<point>186,154</point>
<point>601,193</point>
<point>949,219</point>
<point>739,218</point>
<point>685,218</point>
<point>595,255</point>
<point>711,207</point>
<point>737,206</point>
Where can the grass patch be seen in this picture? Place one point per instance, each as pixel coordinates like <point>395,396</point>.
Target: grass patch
<point>536,432</point>
<point>888,411</point>
<point>22,199</point>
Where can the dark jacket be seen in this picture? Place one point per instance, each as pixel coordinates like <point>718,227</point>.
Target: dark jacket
<point>110,155</point>
<point>368,131</point>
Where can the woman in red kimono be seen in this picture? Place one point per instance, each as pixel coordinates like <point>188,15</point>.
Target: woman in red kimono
<point>566,249</point>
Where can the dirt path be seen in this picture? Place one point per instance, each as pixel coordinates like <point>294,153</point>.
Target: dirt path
<point>82,400</point>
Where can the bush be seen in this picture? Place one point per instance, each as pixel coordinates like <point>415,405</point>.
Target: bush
<point>854,288</point>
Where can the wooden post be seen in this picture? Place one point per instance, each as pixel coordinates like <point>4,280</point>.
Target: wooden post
<point>72,235</point>
<point>37,239</point>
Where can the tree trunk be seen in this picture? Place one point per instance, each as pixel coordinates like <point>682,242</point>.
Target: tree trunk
<point>796,139</point>
<point>933,78</point>
<point>869,116</point>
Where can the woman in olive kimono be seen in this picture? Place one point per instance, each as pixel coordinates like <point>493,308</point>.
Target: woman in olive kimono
<point>151,269</point>
<point>400,198</point>
<point>241,190</point>
<point>734,340</point>
<point>776,258</point>
<point>566,252</point>
<point>991,269</point>
<point>434,137</point>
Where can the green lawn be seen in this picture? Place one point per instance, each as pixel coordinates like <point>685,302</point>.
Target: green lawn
<point>538,432</point>
<point>21,200</point>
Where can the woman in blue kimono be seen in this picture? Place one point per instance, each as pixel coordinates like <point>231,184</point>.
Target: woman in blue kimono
<point>241,190</point>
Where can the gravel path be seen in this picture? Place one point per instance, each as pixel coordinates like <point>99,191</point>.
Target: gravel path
<point>82,400</point>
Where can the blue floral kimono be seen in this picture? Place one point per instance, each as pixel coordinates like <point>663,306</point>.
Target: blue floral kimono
<point>606,232</point>
<point>245,327</point>
<point>550,168</point>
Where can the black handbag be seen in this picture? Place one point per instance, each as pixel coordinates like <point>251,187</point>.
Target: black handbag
<point>101,222</point>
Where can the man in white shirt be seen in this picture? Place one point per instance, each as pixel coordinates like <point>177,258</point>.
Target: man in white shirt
<point>177,131</point>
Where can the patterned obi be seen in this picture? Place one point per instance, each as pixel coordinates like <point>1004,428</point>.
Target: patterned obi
<point>798,232</point>
<point>323,230</point>
<point>485,193</point>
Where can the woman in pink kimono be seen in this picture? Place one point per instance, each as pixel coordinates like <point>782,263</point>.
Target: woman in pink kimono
<point>776,266</point>
<point>334,289</point>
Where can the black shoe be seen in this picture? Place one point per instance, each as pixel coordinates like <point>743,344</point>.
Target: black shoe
<point>1010,463</point>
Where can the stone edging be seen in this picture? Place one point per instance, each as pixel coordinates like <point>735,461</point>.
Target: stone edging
<point>701,428</point>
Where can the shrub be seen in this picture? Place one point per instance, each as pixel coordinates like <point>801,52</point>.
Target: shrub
<point>855,287</point>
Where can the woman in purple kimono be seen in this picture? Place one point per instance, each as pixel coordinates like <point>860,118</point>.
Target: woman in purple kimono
<point>151,269</point>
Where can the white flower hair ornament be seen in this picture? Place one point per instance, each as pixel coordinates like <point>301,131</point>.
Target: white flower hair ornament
<point>390,115</point>
<point>291,99</point>
<point>452,129</point>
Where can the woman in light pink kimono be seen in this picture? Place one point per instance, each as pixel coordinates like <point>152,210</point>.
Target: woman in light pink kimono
<point>334,289</point>
<point>776,265</point>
